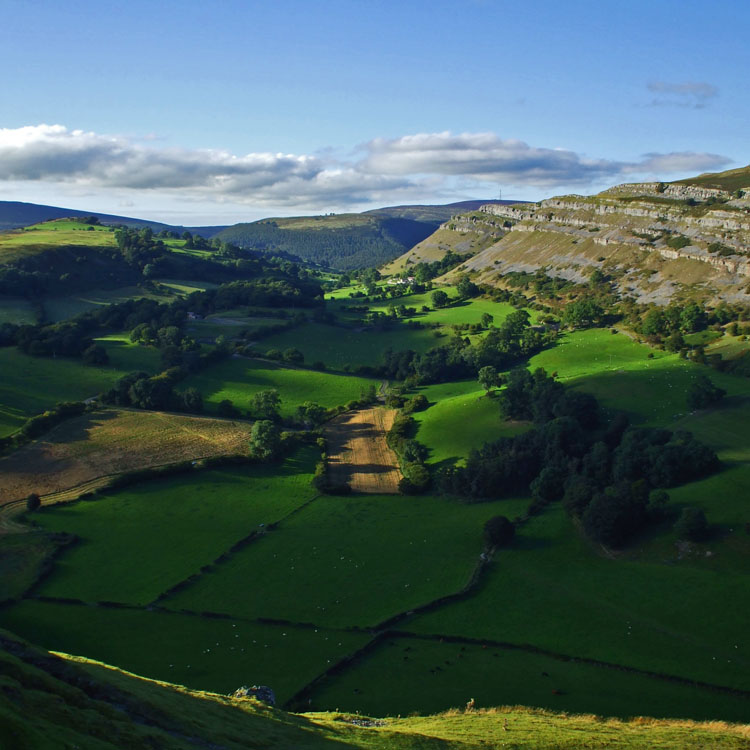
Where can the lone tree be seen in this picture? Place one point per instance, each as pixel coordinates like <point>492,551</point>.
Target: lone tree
<point>439,298</point>
<point>33,501</point>
<point>498,531</point>
<point>265,404</point>
<point>311,414</point>
<point>488,378</point>
<point>265,440</point>
<point>466,287</point>
<point>487,320</point>
<point>703,393</point>
<point>692,525</point>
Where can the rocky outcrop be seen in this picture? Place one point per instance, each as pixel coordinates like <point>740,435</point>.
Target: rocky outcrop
<point>653,240</point>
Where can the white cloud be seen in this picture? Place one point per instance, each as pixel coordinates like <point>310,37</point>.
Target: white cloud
<point>484,156</point>
<point>692,94</point>
<point>406,169</point>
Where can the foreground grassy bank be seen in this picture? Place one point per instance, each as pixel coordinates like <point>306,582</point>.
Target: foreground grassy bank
<point>56,701</point>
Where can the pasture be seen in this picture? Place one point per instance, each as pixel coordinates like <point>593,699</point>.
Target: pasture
<point>112,441</point>
<point>230,324</point>
<point>340,347</point>
<point>344,561</point>
<point>16,310</point>
<point>198,652</point>
<point>358,454</point>
<point>552,590</point>
<point>460,418</point>
<point>140,541</point>
<point>32,384</point>
<point>48,235</point>
<point>437,674</point>
<point>622,375</point>
<point>237,379</point>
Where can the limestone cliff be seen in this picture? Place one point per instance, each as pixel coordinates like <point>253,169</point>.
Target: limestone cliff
<point>655,241</point>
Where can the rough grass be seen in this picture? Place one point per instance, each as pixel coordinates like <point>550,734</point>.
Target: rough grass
<point>461,418</point>
<point>238,379</point>
<point>350,561</point>
<point>358,454</point>
<point>435,675</point>
<point>138,542</point>
<point>54,711</point>
<point>114,441</point>
<point>551,590</point>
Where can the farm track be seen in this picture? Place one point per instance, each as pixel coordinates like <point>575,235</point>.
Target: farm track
<point>358,454</point>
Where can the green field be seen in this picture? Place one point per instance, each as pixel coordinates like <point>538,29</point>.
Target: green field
<point>461,418</point>
<point>551,590</point>
<point>49,235</point>
<point>350,561</point>
<point>32,384</point>
<point>16,310</point>
<point>199,652</point>
<point>159,533</point>
<point>230,324</point>
<point>620,373</point>
<point>339,347</point>
<point>434,674</point>
<point>238,379</point>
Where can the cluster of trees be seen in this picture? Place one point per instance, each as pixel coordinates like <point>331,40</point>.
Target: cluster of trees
<point>158,392</point>
<point>74,337</point>
<point>605,474</point>
<point>411,453</point>
<point>514,339</point>
<point>426,271</point>
<point>43,422</point>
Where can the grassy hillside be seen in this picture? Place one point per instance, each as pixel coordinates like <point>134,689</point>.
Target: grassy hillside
<point>51,701</point>
<point>731,180</point>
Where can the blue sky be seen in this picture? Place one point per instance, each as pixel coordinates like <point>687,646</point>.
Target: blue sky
<point>196,112</point>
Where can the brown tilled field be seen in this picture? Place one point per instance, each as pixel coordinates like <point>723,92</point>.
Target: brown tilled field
<point>358,454</point>
<point>113,441</point>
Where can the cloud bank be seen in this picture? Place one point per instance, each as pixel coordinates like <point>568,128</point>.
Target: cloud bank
<point>381,170</point>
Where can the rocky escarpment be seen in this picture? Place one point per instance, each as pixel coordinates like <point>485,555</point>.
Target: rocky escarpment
<point>465,234</point>
<point>655,241</point>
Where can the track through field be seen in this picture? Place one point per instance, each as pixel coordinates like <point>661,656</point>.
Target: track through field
<point>358,454</point>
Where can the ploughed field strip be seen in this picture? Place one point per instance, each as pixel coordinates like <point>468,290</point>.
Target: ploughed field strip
<point>358,454</point>
<point>110,442</point>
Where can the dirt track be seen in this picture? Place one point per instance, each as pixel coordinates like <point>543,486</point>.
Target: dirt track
<point>358,454</point>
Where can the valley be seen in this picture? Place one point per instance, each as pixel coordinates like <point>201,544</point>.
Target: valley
<point>284,474</point>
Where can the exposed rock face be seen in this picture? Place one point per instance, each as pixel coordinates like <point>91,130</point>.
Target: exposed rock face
<point>633,232</point>
<point>262,693</point>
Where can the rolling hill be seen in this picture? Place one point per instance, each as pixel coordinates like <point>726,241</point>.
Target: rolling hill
<point>16,214</point>
<point>346,241</point>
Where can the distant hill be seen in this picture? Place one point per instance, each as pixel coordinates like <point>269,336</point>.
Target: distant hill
<point>15,214</point>
<point>347,241</point>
